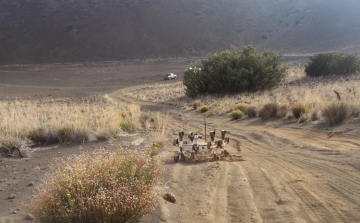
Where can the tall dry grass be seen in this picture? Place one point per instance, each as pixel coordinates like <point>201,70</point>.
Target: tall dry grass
<point>317,93</point>
<point>59,120</point>
<point>99,186</point>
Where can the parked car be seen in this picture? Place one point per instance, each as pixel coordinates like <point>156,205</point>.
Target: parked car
<point>169,76</point>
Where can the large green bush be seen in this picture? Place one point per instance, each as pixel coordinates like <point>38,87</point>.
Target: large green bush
<point>234,71</point>
<point>323,64</point>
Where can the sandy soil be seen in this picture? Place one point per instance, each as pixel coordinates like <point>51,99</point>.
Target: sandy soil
<point>280,171</point>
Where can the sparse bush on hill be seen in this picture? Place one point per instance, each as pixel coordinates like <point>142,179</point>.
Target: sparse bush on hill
<point>250,111</point>
<point>204,108</point>
<point>323,64</point>
<point>234,71</point>
<point>241,107</point>
<point>298,109</point>
<point>197,104</point>
<point>268,110</point>
<point>236,114</point>
<point>99,186</point>
<point>335,113</point>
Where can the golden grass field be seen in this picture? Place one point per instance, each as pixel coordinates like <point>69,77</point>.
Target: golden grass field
<point>297,87</point>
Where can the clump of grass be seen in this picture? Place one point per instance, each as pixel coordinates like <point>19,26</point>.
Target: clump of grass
<point>282,110</point>
<point>99,186</point>
<point>197,104</point>
<point>250,111</point>
<point>268,110</point>
<point>204,108</point>
<point>299,109</point>
<point>159,134</point>
<point>303,118</point>
<point>236,114</point>
<point>241,107</point>
<point>335,113</point>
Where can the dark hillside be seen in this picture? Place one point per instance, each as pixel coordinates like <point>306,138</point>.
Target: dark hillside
<point>46,31</point>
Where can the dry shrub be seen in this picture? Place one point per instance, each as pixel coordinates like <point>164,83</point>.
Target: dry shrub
<point>197,104</point>
<point>99,186</point>
<point>159,135</point>
<point>14,147</point>
<point>241,107</point>
<point>250,111</point>
<point>299,109</point>
<point>268,110</point>
<point>204,108</point>
<point>282,110</point>
<point>236,114</point>
<point>303,118</point>
<point>213,111</point>
<point>335,113</point>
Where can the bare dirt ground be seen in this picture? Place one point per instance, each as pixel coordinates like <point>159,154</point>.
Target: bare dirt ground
<point>281,171</point>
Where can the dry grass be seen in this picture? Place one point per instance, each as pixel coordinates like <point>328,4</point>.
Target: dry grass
<point>161,122</point>
<point>295,88</point>
<point>99,186</point>
<point>60,120</point>
<point>335,113</point>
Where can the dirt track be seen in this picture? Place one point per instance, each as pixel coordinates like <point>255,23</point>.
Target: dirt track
<point>286,173</point>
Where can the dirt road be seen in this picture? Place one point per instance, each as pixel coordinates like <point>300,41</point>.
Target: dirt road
<point>285,174</point>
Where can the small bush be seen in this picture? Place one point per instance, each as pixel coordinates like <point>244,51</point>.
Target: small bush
<point>241,107</point>
<point>204,108</point>
<point>323,64</point>
<point>126,126</point>
<point>99,186</point>
<point>237,114</point>
<point>335,113</point>
<point>250,111</point>
<point>264,36</point>
<point>268,110</point>
<point>298,109</point>
<point>197,104</point>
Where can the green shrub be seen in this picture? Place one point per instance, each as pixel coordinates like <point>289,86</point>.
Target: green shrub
<point>237,114</point>
<point>250,111</point>
<point>204,108</point>
<point>298,109</point>
<point>323,64</point>
<point>335,113</point>
<point>241,107</point>
<point>197,104</point>
<point>99,186</point>
<point>268,110</point>
<point>234,71</point>
<point>264,36</point>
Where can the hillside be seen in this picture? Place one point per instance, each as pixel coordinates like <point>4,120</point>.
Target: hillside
<point>43,31</point>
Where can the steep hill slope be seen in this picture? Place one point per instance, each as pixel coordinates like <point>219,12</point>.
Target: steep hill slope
<point>38,31</point>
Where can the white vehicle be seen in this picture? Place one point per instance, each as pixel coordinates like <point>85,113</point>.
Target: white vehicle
<point>170,76</point>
